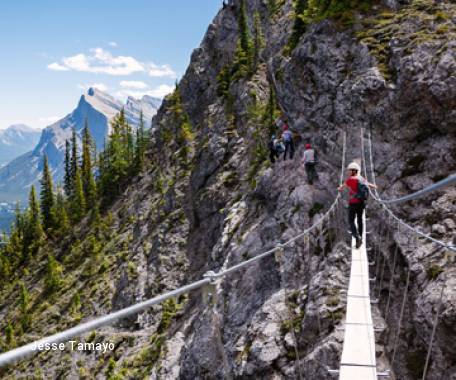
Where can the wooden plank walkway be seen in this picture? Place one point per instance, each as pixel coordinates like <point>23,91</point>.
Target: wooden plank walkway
<point>358,354</point>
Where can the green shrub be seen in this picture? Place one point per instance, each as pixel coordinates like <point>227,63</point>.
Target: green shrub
<point>433,272</point>
<point>316,208</point>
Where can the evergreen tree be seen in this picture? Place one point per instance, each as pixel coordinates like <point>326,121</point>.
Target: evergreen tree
<point>78,205</point>
<point>244,36</point>
<point>24,307</point>
<point>53,279</point>
<point>258,40</point>
<point>74,159</point>
<point>15,243</point>
<point>271,111</point>
<point>47,197</point>
<point>33,230</point>
<point>67,178</point>
<point>5,264</point>
<point>299,24</point>
<point>88,180</point>
<point>140,147</point>
<point>61,215</point>
<point>116,161</point>
<point>9,334</point>
<point>242,64</point>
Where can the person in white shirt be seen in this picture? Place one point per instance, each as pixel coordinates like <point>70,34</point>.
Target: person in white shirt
<point>309,160</point>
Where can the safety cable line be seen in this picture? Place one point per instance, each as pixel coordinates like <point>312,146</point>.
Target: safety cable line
<point>434,328</point>
<point>31,348</point>
<point>377,198</point>
<point>401,315</point>
<point>283,284</point>
<point>450,180</point>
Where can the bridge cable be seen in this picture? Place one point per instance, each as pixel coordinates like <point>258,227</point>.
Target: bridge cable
<point>434,327</point>
<point>449,180</point>
<point>398,330</point>
<point>415,195</point>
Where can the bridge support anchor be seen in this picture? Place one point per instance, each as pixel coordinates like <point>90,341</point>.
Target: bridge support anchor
<point>332,371</point>
<point>210,290</point>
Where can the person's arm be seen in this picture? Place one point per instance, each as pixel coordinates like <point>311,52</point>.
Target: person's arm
<point>371,185</point>
<point>342,187</point>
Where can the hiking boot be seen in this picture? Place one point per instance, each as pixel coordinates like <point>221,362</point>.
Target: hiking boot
<point>359,242</point>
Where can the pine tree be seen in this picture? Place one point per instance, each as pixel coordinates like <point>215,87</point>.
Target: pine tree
<point>53,279</point>
<point>258,40</point>
<point>271,112</point>
<point>140,147</point>
<point>5,263</point>
<point>47,197</point>
<point>244,37</point>
<point>299,25</point>
<point>14,247</point>
<point>74,159</point>
<point>67,178</point>
<point>33,230</point>
<point>24,307</point>
<point>61,215</point>
<point>88,180</point>
<point>242,65</point>
<point>78,205</point>
<point>10,339</point>
<point>117,159</point>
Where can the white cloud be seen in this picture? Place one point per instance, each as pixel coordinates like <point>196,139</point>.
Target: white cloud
<point>101,61</point>
<point>112,43</point>
<point>57,67</point>
<point>98,86</point>
<point>136,84</point>
<point>161,91</point>
<point>157,92</point>
<point>161,71</point>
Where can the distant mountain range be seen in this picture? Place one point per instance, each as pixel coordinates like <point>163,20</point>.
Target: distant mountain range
<point>16,140</point>
<point>98,108</point>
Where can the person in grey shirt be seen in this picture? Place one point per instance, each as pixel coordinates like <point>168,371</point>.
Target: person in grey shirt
<point>310,159</point>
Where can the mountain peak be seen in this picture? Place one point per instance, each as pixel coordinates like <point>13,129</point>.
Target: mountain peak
<point>20,128</point>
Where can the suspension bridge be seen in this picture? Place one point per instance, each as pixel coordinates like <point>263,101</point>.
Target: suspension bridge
<point>358,359</point>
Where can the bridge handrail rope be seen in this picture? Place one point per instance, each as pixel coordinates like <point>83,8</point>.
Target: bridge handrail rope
<point>441,244</point>
<point>30,348</point>
<point>448,181</point>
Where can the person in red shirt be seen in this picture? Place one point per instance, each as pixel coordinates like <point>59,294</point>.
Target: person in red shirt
<point>356,203</point>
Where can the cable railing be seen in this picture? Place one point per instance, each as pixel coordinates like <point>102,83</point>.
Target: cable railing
<point>448,181</point>
<point>436,186</point>
<point>208,278</point>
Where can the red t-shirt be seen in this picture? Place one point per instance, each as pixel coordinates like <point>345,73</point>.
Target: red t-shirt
<point>352,183</point>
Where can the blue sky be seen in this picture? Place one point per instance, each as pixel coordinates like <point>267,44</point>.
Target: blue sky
<point>52,50</point>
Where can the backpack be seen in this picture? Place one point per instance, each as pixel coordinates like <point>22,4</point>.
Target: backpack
<point>279,147</point>
<point>286,136</point>
<point>363,191</point>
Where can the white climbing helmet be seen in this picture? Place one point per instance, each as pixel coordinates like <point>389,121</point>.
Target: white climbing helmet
<point>354,166</point>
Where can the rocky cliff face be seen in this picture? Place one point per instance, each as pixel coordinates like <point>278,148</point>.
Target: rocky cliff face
<point>209,199</point>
